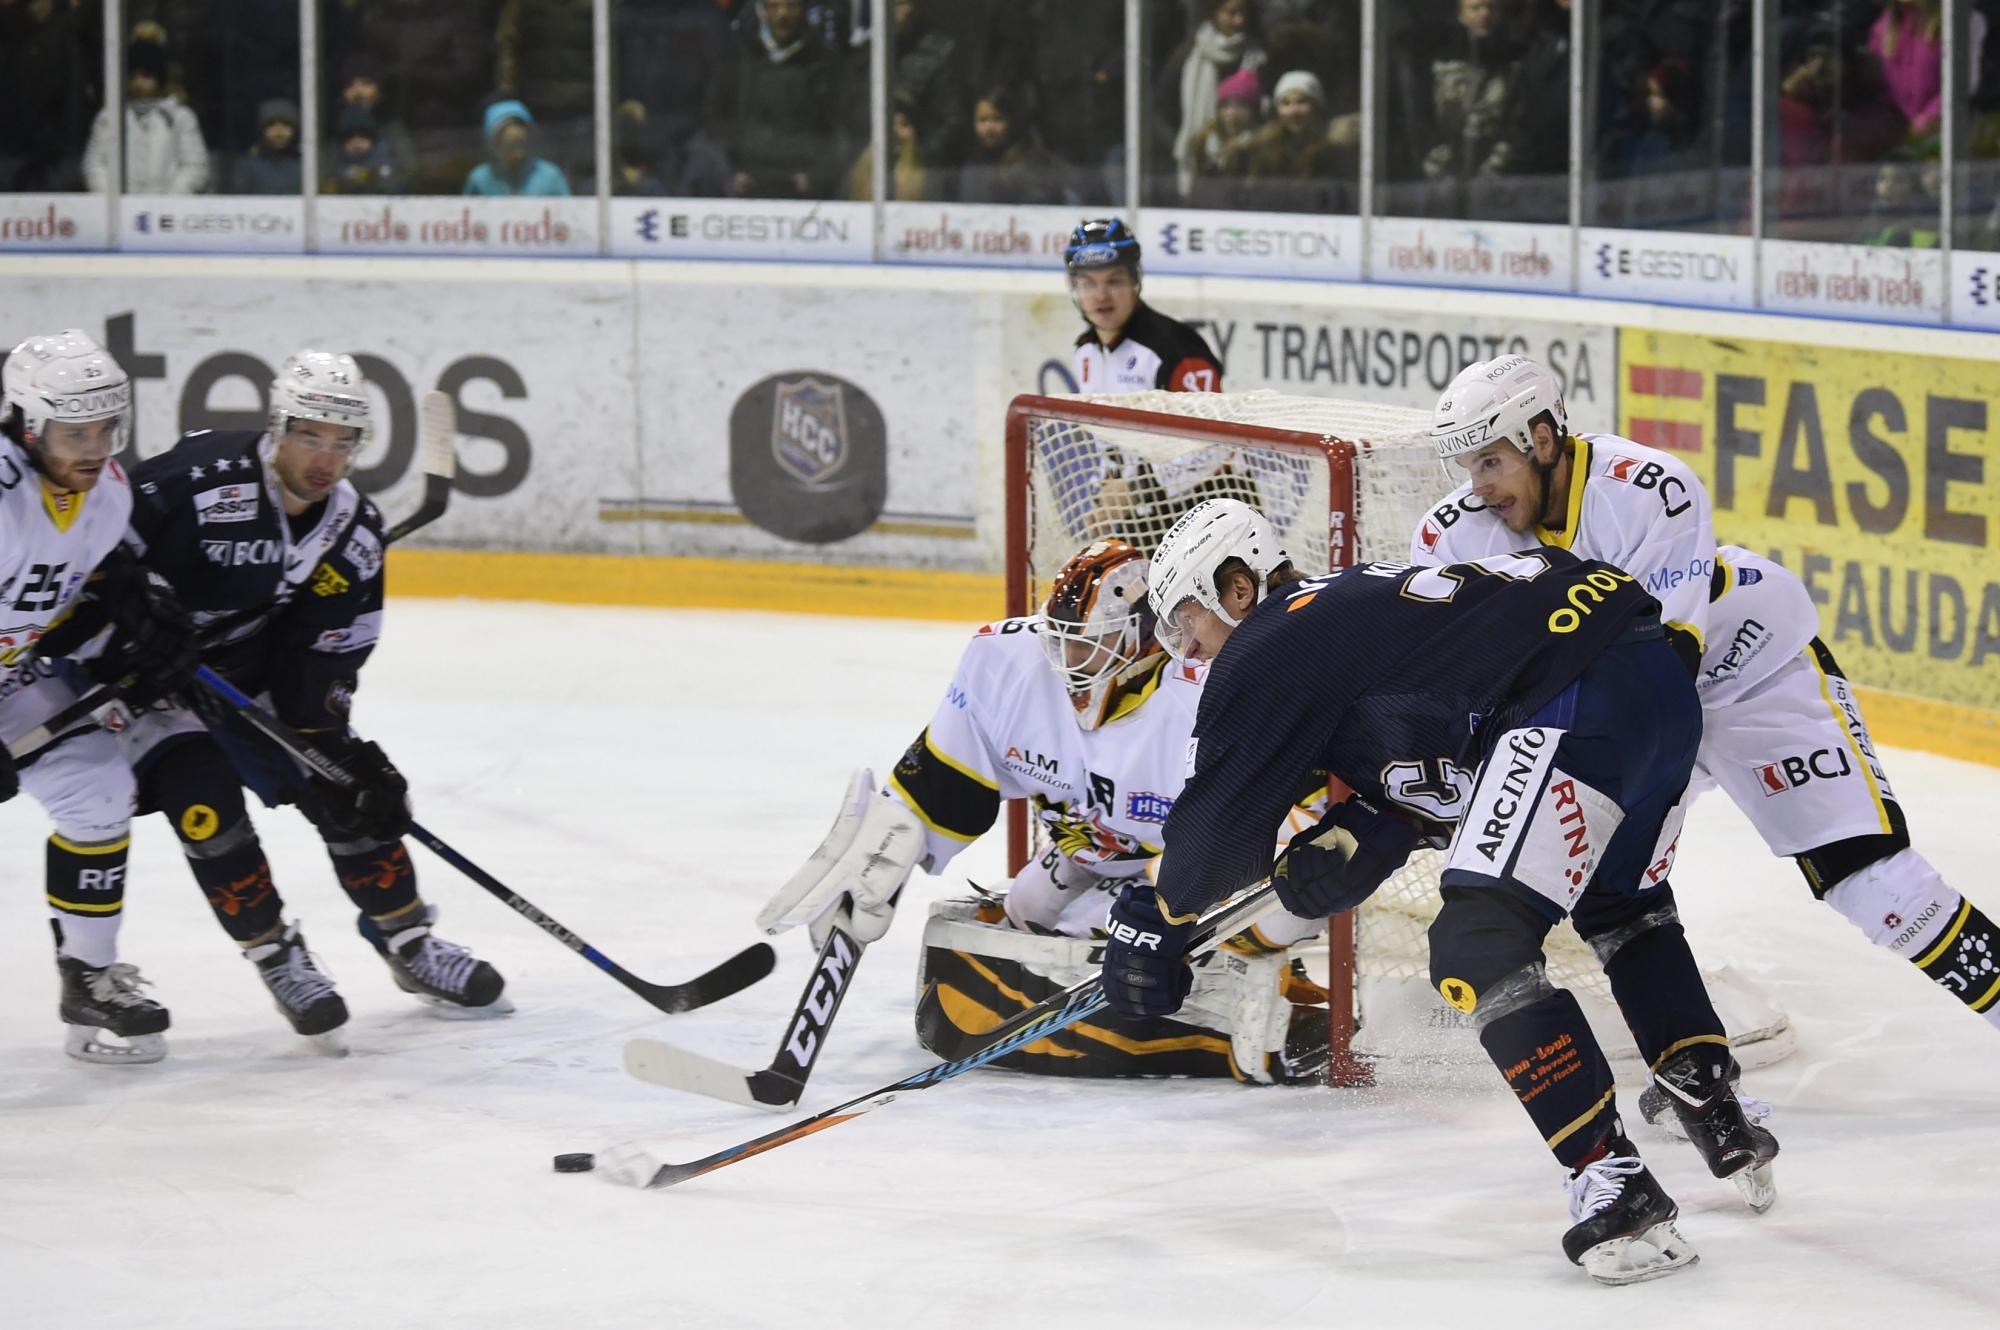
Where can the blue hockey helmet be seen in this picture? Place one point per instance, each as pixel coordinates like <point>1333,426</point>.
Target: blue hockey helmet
<point>1103,242</point>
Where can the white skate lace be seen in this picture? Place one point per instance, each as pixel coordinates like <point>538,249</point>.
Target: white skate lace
<point>297,981</point>
<point>1755,1109</point>
<point>440,964</point>
<point>1599,1185</point>
<point>118,984</point>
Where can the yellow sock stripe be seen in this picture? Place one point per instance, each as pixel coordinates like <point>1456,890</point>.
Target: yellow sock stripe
<point>77,907</point>
<point>1987,998</point>
<point>1950,935</point>
<point>108,847</point>
<point>1583,1121</point>
<point>1676,1047</point>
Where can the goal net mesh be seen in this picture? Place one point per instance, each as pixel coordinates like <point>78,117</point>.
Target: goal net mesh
<point>1089,481</point>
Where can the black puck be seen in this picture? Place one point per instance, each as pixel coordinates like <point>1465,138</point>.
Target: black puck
<point>577,1163</point>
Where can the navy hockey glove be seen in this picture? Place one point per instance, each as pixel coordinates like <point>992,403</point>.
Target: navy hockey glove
<point>151,649</point>
<point>1330,868</point>
<point>1146,972</point>
<point>377,804</point>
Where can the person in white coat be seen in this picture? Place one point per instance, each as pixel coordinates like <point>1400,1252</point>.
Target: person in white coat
<point>164,150</point>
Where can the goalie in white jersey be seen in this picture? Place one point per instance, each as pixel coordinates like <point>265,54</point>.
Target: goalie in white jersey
<point>69,590</point>
<point>1079,711</point>
<point>1783,734</point>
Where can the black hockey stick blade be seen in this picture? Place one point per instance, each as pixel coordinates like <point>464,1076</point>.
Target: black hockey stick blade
<point>1075,1003</point>
<point>732,976</point>
<point>102,706</point>
<point>440,458</point>
<point>780,1085</point>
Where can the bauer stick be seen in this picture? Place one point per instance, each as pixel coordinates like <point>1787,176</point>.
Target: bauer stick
<point>1080,1000</point>
<point>732,976</point>
<point>778,1086</point>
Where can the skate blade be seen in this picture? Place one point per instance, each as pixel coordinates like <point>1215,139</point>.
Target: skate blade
<point>1758,1186</point>
<point>446,1010</point>
<point>330,1043</point>
<point>87,1043</point>
<point>627,1164</point>
<point>1654,1254</point>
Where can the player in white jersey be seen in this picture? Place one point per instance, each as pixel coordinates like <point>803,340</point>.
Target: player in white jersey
<point>1783,734</point>
<point>68,590</point>
<point>1079,711</point>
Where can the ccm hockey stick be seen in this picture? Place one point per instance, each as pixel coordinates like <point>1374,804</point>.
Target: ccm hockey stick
<point>778,1086</point>
<point>732,976</point>
<point>1075,1003</point>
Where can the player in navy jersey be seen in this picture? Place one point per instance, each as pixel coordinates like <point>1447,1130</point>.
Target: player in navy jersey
<point>1531,701</point>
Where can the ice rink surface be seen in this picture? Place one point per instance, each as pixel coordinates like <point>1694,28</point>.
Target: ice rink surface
<point>649,777</point>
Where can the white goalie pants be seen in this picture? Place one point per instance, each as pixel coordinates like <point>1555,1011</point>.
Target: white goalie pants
<point>1056,894</point>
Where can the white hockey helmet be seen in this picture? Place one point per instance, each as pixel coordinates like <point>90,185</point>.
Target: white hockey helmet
<point>69,379</point>
<point>324,386</point>
<point>1096,628</point>
<point>1493,400</point>
<point>1184,566</point>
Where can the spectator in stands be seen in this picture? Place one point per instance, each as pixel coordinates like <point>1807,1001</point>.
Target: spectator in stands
<point>1907,38</point>
<point>927,74</point>
<point>1665,126</point>
<point>671,57</point>
<point>1537,117</point>
<point>360,86</point>
<point>543,56</point>
<point>436,64</point>
<point>783,107</point>
<point>1223,146</point>
<point>1472,82</point>
<point>636,168</point>
<point>512,166</point>
<point>246,54</point>
<point>1226,42</point>
<point>272,165</point>
<point>1007,162</point>
<point>1905,211</point>
<point>164,151</point>
<point>1074,64</point>
<point>910,177</point>
<point>362,163</point>
<point>50,52</point>
<point>1284,160</point>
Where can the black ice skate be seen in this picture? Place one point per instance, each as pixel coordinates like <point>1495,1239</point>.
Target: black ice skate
<point>1624,1231</point>
<point>301,989</point>
<point>447,976</point>
<point>105,1000</point>
<point>1696,1087</point>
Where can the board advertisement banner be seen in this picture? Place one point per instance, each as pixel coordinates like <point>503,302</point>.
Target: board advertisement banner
<point>1251,244</point>
<point>211,224</point>
<point>1870,473</point>
<point>1678,267</point>
<point>52,222</point>
<point>1500,256</point>
<point>742,229</point>
<point>450,224</point>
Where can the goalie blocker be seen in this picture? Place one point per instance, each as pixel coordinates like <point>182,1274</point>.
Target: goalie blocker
<point>1251,1015</point>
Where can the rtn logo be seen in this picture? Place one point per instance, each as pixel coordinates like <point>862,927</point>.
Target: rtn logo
<point>1788,773</point>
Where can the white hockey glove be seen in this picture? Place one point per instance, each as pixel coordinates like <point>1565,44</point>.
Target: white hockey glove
<point>864,860</point>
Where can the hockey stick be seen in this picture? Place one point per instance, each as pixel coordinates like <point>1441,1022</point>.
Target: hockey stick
<point>439,433</point>
<point>778,1086</point>
<point>1080,1000</point>
<point>102,705</point>
<point>732,976</point>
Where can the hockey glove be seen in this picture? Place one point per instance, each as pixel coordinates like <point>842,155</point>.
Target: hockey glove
<point>1146,971</point>
<point>865,859</point>
<point>151,649</point>
<point>377,804</point>
<point>1330,868</point>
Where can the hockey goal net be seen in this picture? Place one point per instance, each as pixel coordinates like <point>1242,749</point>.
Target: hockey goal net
<point>1344,482</point>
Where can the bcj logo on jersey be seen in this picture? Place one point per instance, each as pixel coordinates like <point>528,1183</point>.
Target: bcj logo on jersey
<point>809,428</point>
<point>1788,773</point>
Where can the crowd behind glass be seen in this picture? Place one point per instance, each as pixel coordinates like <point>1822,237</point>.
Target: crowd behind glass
<point>1244,104</point>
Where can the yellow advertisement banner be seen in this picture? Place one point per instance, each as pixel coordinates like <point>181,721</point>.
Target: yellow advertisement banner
<point>1872,475</point>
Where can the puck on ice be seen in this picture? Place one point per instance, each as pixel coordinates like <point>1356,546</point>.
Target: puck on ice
<point>577,1163</point>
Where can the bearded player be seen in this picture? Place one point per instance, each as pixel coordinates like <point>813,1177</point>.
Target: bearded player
<point>1080,712</point>
<point>63,579</point>
<point>1784,735</point>
<point>280,559</point>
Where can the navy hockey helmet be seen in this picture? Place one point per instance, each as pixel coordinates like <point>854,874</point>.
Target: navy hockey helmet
<point>1103,242</point>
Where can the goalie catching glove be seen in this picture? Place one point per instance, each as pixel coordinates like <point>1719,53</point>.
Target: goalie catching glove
<point>864,861</point>
<point>151,650</point>
<point>377,802</point>
<point>1330,868</point>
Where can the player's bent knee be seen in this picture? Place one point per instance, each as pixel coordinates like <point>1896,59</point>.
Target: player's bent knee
<point>1486,952</point>
<point>197,789</point>
<point>1827,866</point>
<point>1609,922</point>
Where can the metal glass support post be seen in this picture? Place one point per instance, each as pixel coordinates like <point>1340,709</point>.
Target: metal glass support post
<point>1134,158</point>
<point>1579,30</point>
<point>881,31</point>
<point>309,123</point>
<point>1763,115</point>
<point>600,104</point>
<point>1951,80</point>
<point>114,110</point>
<point>1371,129</point>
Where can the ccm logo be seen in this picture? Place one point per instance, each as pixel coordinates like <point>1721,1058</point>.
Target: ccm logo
<point>1132,937</point>
<point>1788,773</point>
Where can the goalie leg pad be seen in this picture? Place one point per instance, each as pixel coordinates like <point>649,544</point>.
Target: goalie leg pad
<point>1903,905</point>
<point>192,783</point>
<point>1654,978</point>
